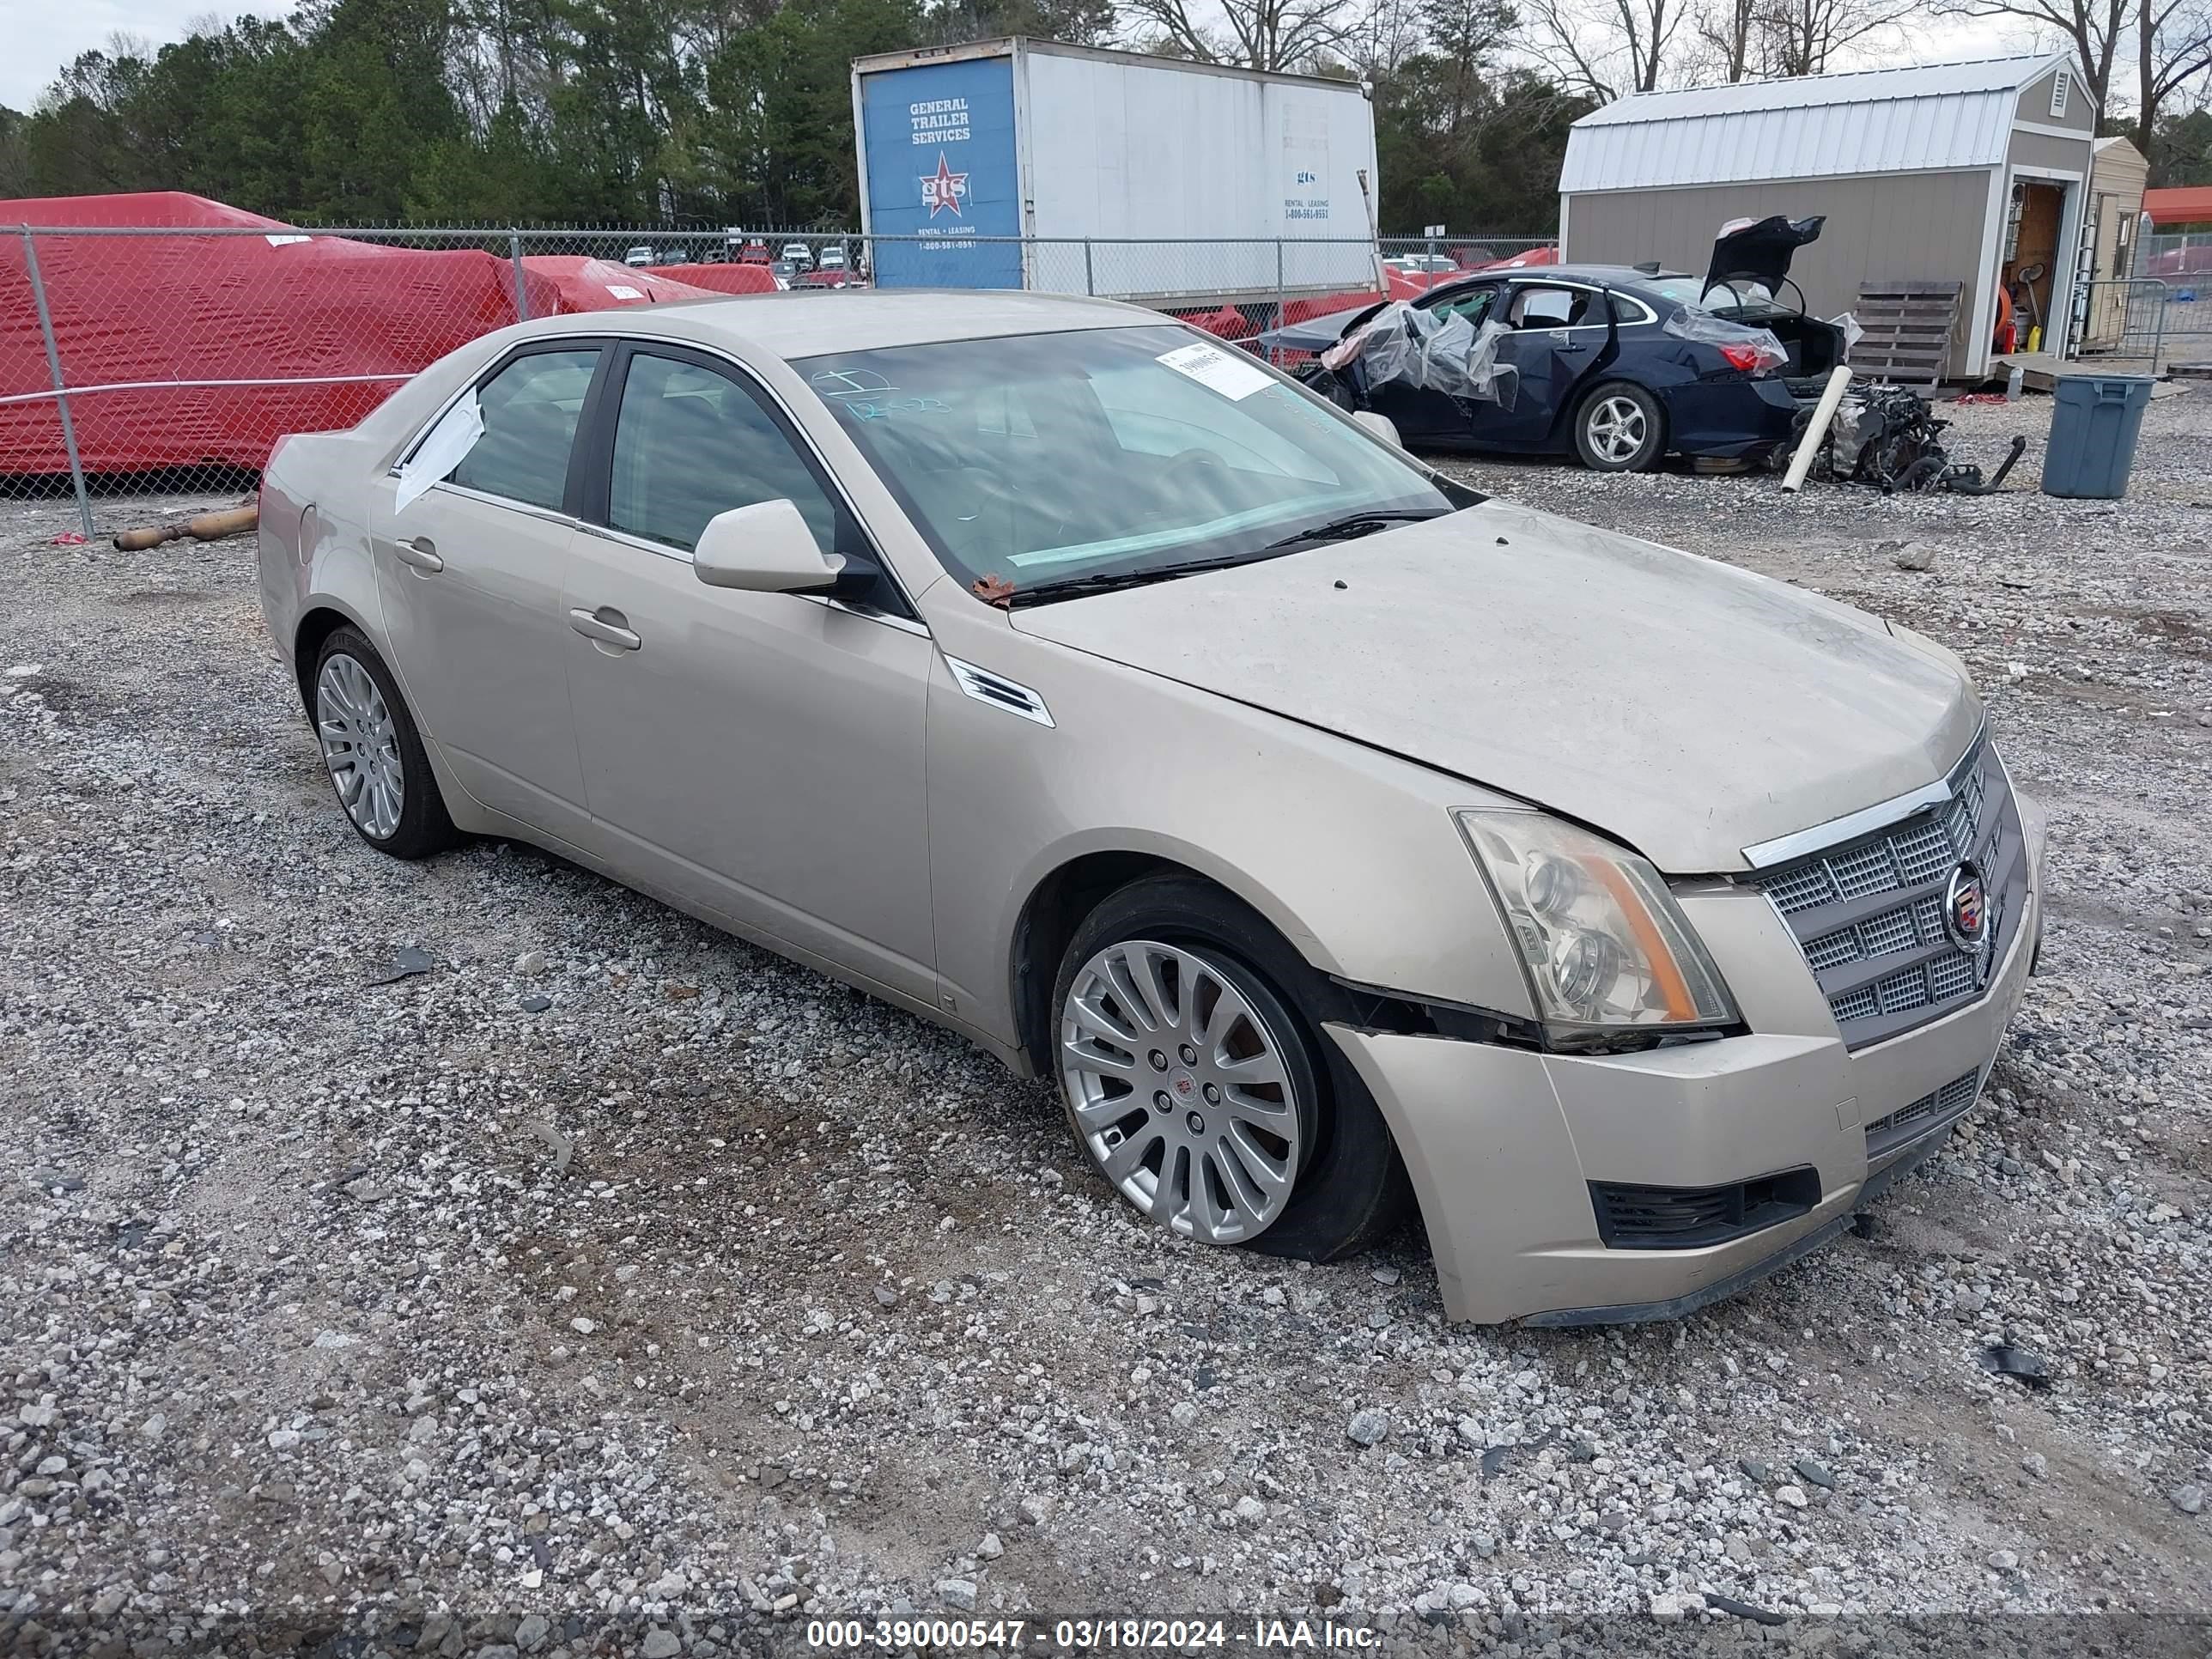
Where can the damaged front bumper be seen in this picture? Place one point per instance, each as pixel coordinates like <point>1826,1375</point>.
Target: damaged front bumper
<point>1609,1188</point>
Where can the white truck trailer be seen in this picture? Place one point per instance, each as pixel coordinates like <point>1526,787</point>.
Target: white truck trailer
<point>1019,163</point>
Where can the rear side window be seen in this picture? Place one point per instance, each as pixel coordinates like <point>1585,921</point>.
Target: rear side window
<point>530,409</point>
<point>690,443</point>
<point>1549,307</point>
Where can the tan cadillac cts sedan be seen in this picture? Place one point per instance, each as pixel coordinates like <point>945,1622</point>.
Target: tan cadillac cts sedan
<point>1343,842</point>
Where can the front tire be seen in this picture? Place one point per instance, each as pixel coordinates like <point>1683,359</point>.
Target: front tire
<point>1620,428</point>
<point>373,753</point>
<point>1172,991</point>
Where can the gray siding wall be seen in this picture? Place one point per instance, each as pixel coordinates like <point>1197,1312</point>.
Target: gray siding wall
<point>1881,228</point>
<point>2040,149</point>
<point>2035,105</point>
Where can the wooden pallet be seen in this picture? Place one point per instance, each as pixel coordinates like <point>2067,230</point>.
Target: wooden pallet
<point>1909,327</point>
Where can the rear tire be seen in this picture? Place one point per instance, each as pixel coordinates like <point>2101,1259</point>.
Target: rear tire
<point>1620,428</point>
<point>1172,989</point>
<point>373,752</point>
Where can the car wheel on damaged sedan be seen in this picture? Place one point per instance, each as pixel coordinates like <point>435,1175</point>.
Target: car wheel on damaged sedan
<point>1419,851</point>
<point>1199,1090</point>
<point>1620,428</point>
<point>372,752</point>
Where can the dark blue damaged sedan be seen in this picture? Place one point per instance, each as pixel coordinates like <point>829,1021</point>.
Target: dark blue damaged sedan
<point>1619,366</point>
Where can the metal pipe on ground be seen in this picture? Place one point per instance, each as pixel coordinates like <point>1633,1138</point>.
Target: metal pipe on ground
<point>1816,429</point>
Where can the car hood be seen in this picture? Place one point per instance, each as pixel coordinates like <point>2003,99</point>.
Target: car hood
<point>1690,709</point>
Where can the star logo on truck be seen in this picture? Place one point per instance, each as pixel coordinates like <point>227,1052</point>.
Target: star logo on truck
<point>943,190</point>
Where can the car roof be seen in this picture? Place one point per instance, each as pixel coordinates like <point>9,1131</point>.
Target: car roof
<point>799,324</point>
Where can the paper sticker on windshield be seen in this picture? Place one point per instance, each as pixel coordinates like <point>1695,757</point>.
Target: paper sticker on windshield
<point>1231,373</point>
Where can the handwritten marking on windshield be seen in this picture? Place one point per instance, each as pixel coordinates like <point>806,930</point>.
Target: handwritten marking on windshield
<point>884,411</point>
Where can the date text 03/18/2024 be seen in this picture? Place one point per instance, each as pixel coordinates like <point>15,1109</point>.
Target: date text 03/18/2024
<point>1086,1635</point>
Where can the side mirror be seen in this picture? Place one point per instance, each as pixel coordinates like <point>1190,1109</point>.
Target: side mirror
<point>765,548</point>
<point>1381,425</point>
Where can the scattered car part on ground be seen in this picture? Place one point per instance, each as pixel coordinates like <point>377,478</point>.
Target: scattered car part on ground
<point>1634,1018</point>
<point>1890,437</point>
<point>201,526</point>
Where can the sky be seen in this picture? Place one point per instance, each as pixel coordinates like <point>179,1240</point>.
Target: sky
<point>42,35</point>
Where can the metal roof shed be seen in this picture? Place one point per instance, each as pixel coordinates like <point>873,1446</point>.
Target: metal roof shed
<point>1972,172</point>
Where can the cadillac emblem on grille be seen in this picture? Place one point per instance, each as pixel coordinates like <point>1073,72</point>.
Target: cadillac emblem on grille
<point>1967,915</point>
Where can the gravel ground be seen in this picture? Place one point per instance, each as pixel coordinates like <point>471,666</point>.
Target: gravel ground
<point>710,1295</point>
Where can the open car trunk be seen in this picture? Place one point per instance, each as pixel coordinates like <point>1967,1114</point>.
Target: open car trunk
<point>1814,349</point>
<point>1751,263</point>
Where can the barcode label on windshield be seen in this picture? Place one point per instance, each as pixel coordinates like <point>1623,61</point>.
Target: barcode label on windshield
<point>1231,373</point>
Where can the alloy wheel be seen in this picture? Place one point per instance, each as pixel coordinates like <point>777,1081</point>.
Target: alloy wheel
<point>1180,1090</point>
<point>1616,429</point>
<point>361,746</point>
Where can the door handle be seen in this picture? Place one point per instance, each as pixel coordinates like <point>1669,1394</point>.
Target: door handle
<point>421,553</point>
<point>605,625</point>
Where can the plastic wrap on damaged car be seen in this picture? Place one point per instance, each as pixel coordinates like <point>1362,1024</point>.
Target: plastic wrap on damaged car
<point>1449,353</point>
<point>1701,326</point>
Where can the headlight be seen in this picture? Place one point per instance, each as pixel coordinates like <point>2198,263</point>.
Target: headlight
<point>1602,941</point>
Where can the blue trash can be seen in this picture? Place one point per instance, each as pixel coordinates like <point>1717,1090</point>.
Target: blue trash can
<point>2093,435</point>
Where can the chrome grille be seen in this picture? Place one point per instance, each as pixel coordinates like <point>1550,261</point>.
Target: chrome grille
<point>1887,967</point>
<point>1918,851</point>
<point>1901,991</point>
<point>1950,976</point>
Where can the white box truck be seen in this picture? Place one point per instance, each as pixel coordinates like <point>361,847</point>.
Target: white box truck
<point>1019,163</point>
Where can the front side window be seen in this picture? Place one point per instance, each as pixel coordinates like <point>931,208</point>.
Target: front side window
<point>691,443</point>
<point>530,409</point>
<point>1040,457</point>
<point>1474,307</point>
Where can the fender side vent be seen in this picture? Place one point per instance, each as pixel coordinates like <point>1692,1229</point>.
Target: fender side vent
<point>999,692</point>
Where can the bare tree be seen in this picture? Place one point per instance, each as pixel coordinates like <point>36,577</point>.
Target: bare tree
<point>1803,36</point>
<point>2094,28</point>
<point>1606,48</point>
<point>1729,29</point>
<point>1262,34</point>
<point>2174,47</point>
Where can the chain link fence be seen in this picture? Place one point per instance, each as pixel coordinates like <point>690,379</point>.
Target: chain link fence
<point>168,358</point>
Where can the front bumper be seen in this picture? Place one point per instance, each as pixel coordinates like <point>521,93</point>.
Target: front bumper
<point>1505,1146</point>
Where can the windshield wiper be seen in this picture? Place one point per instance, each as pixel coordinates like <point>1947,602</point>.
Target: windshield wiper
<point>1337,530</point>
<point>1106,580</point>
<point>1358,524</point>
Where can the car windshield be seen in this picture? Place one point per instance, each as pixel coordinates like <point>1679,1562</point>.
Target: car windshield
<point>1035,459</point>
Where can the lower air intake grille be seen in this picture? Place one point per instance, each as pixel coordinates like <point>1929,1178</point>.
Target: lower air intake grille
<point>1924,1115</point>
<point>1690,1217</point>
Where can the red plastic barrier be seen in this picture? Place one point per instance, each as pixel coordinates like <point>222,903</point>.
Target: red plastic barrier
<point>281,306</point>
<point>587,284</point>
<point>722,279</point>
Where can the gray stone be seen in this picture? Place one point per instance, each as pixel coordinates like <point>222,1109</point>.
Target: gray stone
<point>1817,1473</point>
<point>661,1643</point>
<point>2189,1498</point>
<point>957,1592</point>
<point>991,1548</point>
<point>1368,1427</point>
